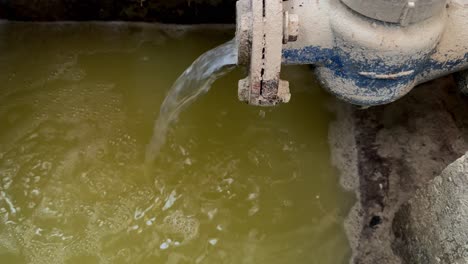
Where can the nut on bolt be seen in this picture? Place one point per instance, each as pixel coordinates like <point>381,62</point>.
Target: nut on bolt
<point>290,27</point>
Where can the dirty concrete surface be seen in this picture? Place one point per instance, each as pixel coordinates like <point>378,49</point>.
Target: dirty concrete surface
<point>432,227</point>
<point>172,11</point>
<point>385,153</point>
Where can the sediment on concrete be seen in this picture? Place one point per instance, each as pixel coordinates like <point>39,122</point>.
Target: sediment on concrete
<point>394,150</point>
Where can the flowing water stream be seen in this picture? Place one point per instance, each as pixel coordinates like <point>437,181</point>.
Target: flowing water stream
<point>231,184</point>
<point>195,81</point>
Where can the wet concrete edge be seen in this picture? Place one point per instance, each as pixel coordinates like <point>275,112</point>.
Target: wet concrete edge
<point>164,11</point>
<point>385,153</point>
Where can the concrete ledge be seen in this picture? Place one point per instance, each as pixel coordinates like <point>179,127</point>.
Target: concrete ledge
<point>432,227</point>
<point>165,11</point>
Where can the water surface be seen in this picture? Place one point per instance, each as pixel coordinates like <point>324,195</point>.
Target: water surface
<point>233,183</point>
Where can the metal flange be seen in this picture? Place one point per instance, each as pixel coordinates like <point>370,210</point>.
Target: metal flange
<point>262,28</point>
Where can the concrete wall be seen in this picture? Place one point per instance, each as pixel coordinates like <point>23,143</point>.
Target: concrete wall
<point>432,227</point>
<point>165,11</point>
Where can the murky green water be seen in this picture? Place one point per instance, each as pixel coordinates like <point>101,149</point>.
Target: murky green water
<point>233,183</point>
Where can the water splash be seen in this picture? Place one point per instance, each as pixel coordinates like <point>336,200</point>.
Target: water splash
<point>194,82</point>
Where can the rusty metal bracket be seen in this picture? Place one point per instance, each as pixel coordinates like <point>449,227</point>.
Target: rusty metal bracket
<point>262,28</point>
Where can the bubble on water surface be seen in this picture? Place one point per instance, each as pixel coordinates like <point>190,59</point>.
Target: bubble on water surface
<point>178,223</point>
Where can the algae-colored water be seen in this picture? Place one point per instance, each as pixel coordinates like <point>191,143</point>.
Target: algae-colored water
<point>233,183</point>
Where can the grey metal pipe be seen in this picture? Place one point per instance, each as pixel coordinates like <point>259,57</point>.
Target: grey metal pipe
<point>359,59</point>
<point>403,12</point>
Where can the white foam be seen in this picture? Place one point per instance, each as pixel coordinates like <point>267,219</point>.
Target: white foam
<point>178,223</point>
<point>8,201</point>
<point>164,245</point>
<point>170,200</point>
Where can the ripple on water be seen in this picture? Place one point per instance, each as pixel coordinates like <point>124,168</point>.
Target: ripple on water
<point>232,185</point>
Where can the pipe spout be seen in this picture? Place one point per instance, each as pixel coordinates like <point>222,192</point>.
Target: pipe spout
<point>360,58</point>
